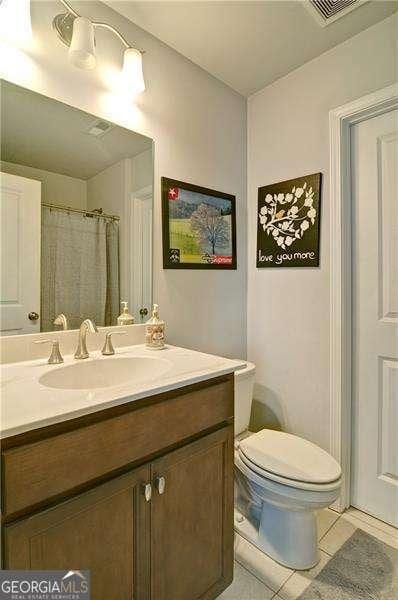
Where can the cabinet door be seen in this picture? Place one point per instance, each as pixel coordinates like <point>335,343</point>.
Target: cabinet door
<point>192,520</point>
<point>105,530</point>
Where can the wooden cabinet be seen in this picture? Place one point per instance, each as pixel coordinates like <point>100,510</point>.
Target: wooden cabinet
<point>42,468</point>
<point>175,543</point>
<point>105,530</point>
<point>192,520</point>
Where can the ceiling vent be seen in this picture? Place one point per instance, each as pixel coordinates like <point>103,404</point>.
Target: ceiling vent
<point>328,11</point>
<point>99,128</point>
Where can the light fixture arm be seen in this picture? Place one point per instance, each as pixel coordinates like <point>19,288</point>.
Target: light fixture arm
<point>69,8</point>
<point>115,31</point>
<point>101,25</point>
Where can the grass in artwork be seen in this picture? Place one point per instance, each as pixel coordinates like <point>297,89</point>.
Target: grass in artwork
<point>193,249</point>
<point>182,237</point>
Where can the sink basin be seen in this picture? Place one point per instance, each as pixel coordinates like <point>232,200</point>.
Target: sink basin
<point>105,373</point>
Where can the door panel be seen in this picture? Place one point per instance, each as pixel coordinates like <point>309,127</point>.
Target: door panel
<point>388,223</point>
<point>374,146</point>
<point>388,460</point>
<point>105,530</point>
<point>192,527</point>
<point>20,203</point>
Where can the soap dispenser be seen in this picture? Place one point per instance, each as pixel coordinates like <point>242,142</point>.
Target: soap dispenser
<point>154,331</point>
<point>125,318</point>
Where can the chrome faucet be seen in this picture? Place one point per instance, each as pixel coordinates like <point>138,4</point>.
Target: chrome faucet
<point>62,321</point>
<point>87,326</point>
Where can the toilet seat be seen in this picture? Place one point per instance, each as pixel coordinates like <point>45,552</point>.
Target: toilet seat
<point>289,460</point>
<point>292,483</point>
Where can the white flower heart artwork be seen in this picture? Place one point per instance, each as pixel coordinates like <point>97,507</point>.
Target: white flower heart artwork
<point>286,217</point>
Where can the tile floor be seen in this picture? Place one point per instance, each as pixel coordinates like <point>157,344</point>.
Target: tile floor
<point>258,577</point>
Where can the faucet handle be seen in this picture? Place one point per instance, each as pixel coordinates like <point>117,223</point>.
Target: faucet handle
<point>61,320</point>
<point>55,356</point>
<point>108,348</point>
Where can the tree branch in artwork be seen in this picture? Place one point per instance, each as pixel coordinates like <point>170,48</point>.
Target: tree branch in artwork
<point>210,226</point>
<point>287,216</point>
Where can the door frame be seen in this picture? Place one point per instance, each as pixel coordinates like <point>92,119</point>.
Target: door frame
<point>340,121</point>
<point>143,194</point>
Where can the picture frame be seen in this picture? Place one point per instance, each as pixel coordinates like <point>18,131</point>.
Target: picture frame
<point>199,227</point>
<point>288,223</point>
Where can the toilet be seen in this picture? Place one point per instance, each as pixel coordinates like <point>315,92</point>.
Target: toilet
<point>281,480</point>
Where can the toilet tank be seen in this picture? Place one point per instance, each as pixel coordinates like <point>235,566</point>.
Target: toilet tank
<point>244,382</point>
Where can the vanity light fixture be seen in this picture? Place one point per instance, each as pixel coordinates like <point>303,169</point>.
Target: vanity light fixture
<point>78,33</point>
<point>132,69</point>
<point>82,46</point>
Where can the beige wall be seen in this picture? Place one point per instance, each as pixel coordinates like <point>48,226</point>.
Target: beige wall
<point>198,125</point>
<point>55,188</point>
<point>142,174</point>
<point>106,190</point>
<point>288,309</point>
<point>109,190</point>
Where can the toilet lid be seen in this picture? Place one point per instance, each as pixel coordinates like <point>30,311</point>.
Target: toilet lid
<point>290,457</point>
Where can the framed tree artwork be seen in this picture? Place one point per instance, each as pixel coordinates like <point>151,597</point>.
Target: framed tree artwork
<point>199,227</point>
<point>288,223</point>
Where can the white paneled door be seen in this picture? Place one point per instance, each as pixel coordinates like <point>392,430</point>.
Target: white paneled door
<point>20,202</point>
<point>374,167</point>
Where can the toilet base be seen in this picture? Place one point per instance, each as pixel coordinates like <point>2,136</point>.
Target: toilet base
<point>288,537</point>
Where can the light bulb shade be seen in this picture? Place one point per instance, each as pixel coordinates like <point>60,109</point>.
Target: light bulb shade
<point>132,70</point>
<point>15,21</point>
<point>82,47</point>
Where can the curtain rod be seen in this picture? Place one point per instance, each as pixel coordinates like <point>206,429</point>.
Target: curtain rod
<point>88,213</point>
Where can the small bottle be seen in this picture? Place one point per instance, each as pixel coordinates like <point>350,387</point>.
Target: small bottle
<point>125,318</point>
<point>154,332</point>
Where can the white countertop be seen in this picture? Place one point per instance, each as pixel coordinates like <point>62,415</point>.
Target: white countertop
<point>26,404</point>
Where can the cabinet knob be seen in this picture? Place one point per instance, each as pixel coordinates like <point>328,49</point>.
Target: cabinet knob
<point>160,484</point>
<point>147,491</point>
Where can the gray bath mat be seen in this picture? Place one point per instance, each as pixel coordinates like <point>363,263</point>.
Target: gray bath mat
<point>363,569</point>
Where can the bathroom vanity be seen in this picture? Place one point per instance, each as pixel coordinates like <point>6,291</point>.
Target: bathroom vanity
<point>134,482</point>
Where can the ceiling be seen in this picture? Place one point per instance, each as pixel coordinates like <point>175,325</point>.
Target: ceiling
<point>248,45</point>
<point>39,132</point>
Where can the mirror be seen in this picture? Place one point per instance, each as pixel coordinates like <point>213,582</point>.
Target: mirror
<point>76,201</point>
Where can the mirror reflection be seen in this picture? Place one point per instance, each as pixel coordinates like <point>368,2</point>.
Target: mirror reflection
<point>76,216</point>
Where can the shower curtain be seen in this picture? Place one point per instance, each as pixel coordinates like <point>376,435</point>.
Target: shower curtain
<point>79,268</point>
